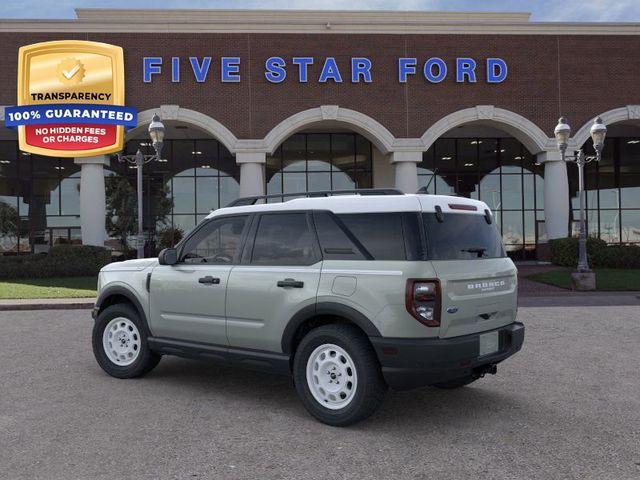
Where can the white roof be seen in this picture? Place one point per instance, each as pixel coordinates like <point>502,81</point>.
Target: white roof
<point>363,204</point>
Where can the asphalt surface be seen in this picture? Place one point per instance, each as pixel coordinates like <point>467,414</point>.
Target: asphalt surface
<point>567,406</point>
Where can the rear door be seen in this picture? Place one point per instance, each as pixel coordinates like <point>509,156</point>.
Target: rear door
<point>187,300</point>
<point>478,281</point>
<point>278,276</point>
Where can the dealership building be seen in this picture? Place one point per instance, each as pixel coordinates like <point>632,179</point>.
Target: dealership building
<point>276,102</point>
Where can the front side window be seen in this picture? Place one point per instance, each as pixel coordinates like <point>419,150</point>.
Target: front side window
<point>218,242</point>
<point>284,239</point>
<point>461,236</point>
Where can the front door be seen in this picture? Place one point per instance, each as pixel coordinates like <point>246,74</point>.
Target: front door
<point>279,276</point>
<point>187,300</point>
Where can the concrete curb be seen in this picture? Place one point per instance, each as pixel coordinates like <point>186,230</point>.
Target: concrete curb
<point>47,304</point>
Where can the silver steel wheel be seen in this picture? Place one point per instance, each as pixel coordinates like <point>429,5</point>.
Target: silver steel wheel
<point>332,376</point>
<point>121,341</point>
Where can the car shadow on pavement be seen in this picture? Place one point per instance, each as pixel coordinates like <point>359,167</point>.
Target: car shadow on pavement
<point>269,391</point>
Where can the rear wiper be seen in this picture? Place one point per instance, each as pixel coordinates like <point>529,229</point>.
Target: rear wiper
<point>478,250</point>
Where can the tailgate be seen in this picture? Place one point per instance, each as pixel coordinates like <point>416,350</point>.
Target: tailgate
<point>477,295</point>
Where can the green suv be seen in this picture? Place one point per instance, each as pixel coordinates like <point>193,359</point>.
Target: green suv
<point>348,293</point>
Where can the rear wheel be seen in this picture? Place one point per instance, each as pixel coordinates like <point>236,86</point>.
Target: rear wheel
<point>456,383</point>
<point>120,343</point>
<point>337,375</point>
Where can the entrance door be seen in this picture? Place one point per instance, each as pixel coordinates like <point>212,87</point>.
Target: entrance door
<point>187,300</point>
<point>279,276</point>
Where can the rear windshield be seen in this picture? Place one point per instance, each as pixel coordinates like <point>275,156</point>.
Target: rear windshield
<point>462,236</point>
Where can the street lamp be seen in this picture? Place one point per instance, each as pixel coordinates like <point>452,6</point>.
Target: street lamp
<point>156,133</point>
<point>562,133</point>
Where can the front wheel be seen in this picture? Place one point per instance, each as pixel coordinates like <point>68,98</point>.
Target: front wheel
<point>337,375</point>
<point>120,343</point>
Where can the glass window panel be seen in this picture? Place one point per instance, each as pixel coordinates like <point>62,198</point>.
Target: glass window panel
<point>512,231</point>
<point>445,185</point>
<point>427,181</point>
<point>363,153</point>
<point>610,226</point>
<point>8,158</point>
<point>629,154</point>
<point>229,190</point>
<point>319,181</point>
<point>206,153</point>
<point>206,194</point>
<point>227,164</point>
<point>630,190</point>
<point>343,181</point>
<point>70,196</point>
<point>511,155</point>
<point>183,195</point>
<point>528,191</point>
<point>182,163</point>
<point>467,186</point>
<point>487,155</point>
<point>293,153</point>
<point>59,221</point>
<point>342,151</point>
<point>274,185</point>
<point>490,191</point>
<point>44,166</point>
<point>284,239</point>
<point>607,187</point>
<point>631,226</point>
<point>184,222</point>
<point>539,180</point>
<point>294,182</point>
<point>218,242</point>
<point>380,233</point>
<point>362,179</point>
<point>319,152</point>
<point>427,165</point>
<point>512,191</point>
<point>467,152</point>
<point>530,228</point>
<point>445,156</point>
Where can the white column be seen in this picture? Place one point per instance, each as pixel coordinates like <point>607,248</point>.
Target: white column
<point>556,194</point>
<point>93,209</point>
<point>406,166</point>
<point>251,173</point>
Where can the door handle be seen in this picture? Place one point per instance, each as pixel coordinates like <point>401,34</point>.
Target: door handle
<point>209,280</point>
<point>290,282</point>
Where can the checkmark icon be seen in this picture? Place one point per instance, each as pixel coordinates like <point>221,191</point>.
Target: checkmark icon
<point>71,73</point>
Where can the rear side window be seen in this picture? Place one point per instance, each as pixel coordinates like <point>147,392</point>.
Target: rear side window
<point>381,234</point>
<point>462,236</point>
<point>284,239</point>
<point>335,240</point>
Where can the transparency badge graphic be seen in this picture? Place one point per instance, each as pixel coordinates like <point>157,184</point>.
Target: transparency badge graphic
<point>70,99</point>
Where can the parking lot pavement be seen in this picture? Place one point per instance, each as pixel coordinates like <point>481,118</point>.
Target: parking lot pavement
<point>568,406</point>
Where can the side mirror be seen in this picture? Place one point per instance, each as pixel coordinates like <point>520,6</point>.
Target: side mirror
<point>168,256</point>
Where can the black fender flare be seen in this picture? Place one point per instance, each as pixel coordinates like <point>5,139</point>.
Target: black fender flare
<point>125,292</point>
<point>326,308</point>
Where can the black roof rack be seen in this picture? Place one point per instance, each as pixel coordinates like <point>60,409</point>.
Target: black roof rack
<point>322,193</point>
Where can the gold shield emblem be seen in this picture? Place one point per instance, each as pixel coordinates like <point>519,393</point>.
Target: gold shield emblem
<point>71,72</point>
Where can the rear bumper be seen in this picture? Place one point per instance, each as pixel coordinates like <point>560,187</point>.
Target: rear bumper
<point>410,363</point>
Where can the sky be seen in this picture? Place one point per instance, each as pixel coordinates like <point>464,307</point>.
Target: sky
<point>542,10</point>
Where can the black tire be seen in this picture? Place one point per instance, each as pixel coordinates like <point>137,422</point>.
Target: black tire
<point>370,386</point>
<point>146,359</point>
<point>456,383</point>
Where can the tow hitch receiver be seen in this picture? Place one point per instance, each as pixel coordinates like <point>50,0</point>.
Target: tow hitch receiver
<point>483,370</point>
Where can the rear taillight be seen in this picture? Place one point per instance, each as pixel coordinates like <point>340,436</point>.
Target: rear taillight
<point>423,301</point>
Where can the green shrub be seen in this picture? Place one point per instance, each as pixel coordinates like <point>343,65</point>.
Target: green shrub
<point>564,252</point>
<point>61,261</point>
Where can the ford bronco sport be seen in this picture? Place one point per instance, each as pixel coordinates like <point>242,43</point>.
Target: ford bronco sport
<point>350,294</point>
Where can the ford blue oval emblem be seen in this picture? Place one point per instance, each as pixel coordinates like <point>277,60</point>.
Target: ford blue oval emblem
<point>452,309</point>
